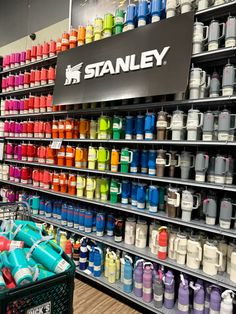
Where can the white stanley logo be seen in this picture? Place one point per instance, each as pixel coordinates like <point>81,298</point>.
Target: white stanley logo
<point>73,74</point>
<point>148,59</point>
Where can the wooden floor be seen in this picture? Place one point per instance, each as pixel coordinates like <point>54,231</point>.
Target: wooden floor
<point>88,300</point>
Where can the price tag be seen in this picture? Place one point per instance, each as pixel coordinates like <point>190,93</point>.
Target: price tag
<point>56,144</point>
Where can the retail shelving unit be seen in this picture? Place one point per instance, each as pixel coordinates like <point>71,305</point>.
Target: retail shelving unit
<point>202,59</point>
<point>195,224</point>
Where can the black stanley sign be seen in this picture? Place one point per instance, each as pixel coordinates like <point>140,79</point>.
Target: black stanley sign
<point>147,61</point>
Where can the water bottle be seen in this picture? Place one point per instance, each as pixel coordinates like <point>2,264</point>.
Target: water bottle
<point>81,219</point>
<point>76,218</point>
<point>70,216</point>
<point>183,296</point>
<point>83,254</point>
<point>63,214</point>
<point>117,264</point>
<point>128,275</point>
<point>169,294</point>
<point>215,300</point>
<point>112,267</point>
<point>138,278</point>
<point>158,291</point>
<point>198,298</point>
<point>106,263</point>
<point>97,269</point>
<point>91,259</point>
<point>226,306</point>
<point>88,221</point>
<point>147,282</point>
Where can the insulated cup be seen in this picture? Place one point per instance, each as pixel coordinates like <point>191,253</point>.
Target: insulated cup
<point>125,191</point>
<point>115,191</point>
<point>117,124</point>
<point>125,159</point>
<point>103,156</point>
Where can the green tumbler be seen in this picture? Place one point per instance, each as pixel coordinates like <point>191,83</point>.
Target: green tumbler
<point>115,191</point>
<point>117,124</point>
<point>119,21</point>
<point>126,157</point>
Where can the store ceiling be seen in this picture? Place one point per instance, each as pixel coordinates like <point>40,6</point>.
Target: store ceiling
<point>18,18</point>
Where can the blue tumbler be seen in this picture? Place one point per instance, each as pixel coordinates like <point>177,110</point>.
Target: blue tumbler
<point>81,219</point>
<point>70,216</point>
<point>152,156</point>
<point>100,224</point>
<point>125,191</point>
<point>141,195</point>
<point>144,161</point>
<point>134,194</point>
<point>140,120</point>
<point>88,221</point>
<point>134,165</point>
<point>153,197</point>
<point>129,127</point>
<point>149,127</point>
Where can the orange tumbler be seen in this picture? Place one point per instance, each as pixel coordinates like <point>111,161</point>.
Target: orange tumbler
<point>81,35</point>
<point>55,182</point>
<point>69,128</point>
<point>72,184</point>
<point>61,156</point>
<point>63,179</point>
<point>61,128</point>
<point>70,156</point>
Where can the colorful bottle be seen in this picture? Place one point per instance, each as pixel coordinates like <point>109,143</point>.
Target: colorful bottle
<point>138,278</point>
<point>169,294</point>
<point>183,296</point>
<point>112,267</point>
<point>83,254</point>
<point>158,290</point>
<point>128,275</point>
<point>97,269</point>
<point>91,259</point>
<point>198,298</point>
<point>215,300</point>
<point>147,282</point>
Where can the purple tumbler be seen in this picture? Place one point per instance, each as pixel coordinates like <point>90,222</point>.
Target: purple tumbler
<point>183,297</point>
<point>22,57</point>
<point>21,80</point>
<point>215,299</point>
<point>10,196</point>
<point>147,282</point>
<point>18,129</point>
<point>12,173</point>
<point>16,82</point>
<point>21,106</point>
<point>19,152</point>
<point>17,59</point>
<point>15,106</point>
<point>138,278</point>
<point>169,295</point>
<point>198,299</point>
<point>17,174</point>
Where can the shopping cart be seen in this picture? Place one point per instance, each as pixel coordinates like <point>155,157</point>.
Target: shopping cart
<point>49,296</point>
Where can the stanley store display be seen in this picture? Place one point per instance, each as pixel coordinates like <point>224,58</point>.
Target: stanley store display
<point>120,138</point>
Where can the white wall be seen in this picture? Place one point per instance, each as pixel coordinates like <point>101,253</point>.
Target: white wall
<point>51,32</point>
